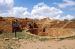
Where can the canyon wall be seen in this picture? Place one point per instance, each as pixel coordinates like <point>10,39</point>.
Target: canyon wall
<point>38,27</point>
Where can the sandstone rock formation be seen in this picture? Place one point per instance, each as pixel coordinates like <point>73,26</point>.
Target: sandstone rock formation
<point>6,24</point>
<point>44,27</point>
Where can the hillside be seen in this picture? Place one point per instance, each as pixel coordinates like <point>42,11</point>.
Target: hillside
<point>43,27</point>
<point>36,34</point>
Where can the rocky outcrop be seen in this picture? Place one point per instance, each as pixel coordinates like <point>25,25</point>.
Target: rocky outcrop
<point>43,27</point>
<point>6,24</point>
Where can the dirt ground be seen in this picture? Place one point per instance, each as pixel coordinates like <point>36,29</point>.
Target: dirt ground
<point>52,44</point>
<point>29,44</point>
<point>32,42</point>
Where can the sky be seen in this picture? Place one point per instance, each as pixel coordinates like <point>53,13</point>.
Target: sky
<point>38,9</point>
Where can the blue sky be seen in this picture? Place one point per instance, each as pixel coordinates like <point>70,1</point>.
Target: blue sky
<point>38,9</point>
<point>30,3</point>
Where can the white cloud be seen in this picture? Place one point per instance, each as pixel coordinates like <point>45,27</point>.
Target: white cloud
<point>19,12</point>
<point>6,6</point>
<point>66,3</point>
<point>41,10</point>
<point>7,9</point>
<point>69,17</point>
<point>26,14</point>
<point>62,17</point>
<point>6,3</point>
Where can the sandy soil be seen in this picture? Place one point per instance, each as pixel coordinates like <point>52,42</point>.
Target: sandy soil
<point>28,44</point>
<point>52,44</point>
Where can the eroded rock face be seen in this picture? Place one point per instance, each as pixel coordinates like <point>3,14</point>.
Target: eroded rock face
<point>55,28</point>
<point>43,27</point>
<point>6,25</point>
